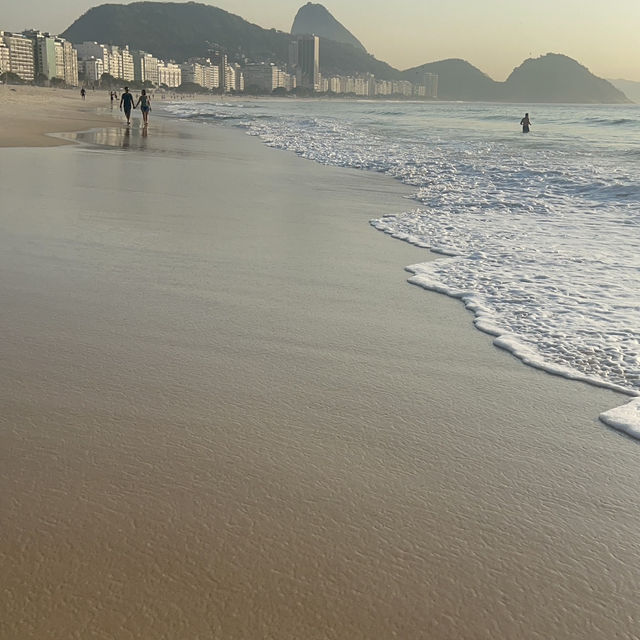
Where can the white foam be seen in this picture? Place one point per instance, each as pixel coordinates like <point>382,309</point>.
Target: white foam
<point>541,235</point>
<point>625,418</point>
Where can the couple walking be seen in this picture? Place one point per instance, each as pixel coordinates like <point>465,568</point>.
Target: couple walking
<point>126,104</point>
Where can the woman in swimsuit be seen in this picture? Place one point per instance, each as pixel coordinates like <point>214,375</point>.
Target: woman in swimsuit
<point>526,123</point>
<point>145,106</point>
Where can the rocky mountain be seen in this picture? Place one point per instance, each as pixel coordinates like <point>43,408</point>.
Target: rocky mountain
<point>315,19</point>
<point>550,78</point>
<point>630,88</point>
<point>457,80</point>
<point>178,31</point>
<point>558,78</point>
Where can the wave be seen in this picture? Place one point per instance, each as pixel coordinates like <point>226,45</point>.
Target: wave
<point>612,122</point>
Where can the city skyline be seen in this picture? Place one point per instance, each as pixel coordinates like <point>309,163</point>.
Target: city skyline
<point>601,36</point>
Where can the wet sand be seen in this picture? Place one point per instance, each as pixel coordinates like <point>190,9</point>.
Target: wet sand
<point>227,415</point>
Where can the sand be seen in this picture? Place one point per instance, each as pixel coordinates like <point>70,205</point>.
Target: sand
<point>227,415</point>
<point>28,114</point>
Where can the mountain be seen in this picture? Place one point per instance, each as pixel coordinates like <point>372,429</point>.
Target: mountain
<point>315,19</point>
<point>457,80</point>
<point>550,78</point>
<point>630,88</point>
<point>178,31</point>
<point>558,78</point>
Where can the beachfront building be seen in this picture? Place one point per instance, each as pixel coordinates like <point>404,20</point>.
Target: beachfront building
<point>88,51</point>
<point>44,53</point>
<point>4,57</point>
<point>128,67</point>
<point>266,76</point>
<point>262,76</point>
<point>219,59</point>
<point>66,62</point>
<point>431,85</point>
<point>304,59</point>
<point>234,78</point>
<point>201,72</point>
<point>402,88</point>
<point>145,67</point>
<point>169,74</point>
<point>21,59</point>
<point>92,69</point>
<point>116,61</point>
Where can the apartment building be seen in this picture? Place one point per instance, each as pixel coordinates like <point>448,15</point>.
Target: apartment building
<point>169,74</point>
<point>21,59</point>
<point>4,57</point>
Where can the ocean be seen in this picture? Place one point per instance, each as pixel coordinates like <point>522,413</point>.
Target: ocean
<point>539,233</point>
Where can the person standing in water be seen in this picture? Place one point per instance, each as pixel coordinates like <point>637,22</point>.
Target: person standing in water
<point>126,99</point>
<point>526,123</point>
<point>145,106</point>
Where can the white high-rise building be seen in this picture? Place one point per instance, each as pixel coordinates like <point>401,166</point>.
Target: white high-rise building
<point>44,52</point>
<point>5,64</point>
<point>92,68</point>
<point>169,74</point>
<point>145,67</point>
<point>128,67</point>
<point>88,50</point>
<point>66,62</point>
<point>21,58</point>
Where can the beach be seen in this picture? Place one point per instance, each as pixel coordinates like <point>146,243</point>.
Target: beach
<point>29,113</point>
<point>226,414</point>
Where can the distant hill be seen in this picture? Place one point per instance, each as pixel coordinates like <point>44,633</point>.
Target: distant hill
<point>550,78</point>
<point>558,78</point>
<point>178,31</point>
<point>315,19</point>
<point>630,88</point>
<point>457,80</point>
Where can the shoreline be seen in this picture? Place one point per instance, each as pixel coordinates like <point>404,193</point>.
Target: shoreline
<point>36,114</point>
<point>228,415</point>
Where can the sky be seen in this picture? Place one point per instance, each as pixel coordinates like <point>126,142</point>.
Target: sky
<point>494,35</point>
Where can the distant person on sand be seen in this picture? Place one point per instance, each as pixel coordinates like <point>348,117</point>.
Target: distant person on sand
<point>126,100</point>
<point>82,92</point>
<point>145,106</point>
<point>526,123</point>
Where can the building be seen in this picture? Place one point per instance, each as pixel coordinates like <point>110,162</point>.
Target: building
<point>169,74</point>
<point>44,53</point>
<point>219,59</point>
<point>145,67</point>
<point>304,58</point>
<point>92,69</point>
<point>66,62</point>
<point>93,50</point>
<point>266,76</point>
<point>431,85</point>
<point>128,67</point>
<point>201,72</point>
<point>5,64</point>
<point>21,58</point>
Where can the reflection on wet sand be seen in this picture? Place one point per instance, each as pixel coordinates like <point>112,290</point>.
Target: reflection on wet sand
<point>124,137</point>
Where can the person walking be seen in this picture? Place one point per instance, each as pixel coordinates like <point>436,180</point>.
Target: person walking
<point>82,92</point>
<point>126,101</point>
<point>526,123</point>
<point>144,101</point>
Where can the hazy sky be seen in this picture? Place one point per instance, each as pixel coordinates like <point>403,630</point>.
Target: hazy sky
<point>494,35</point>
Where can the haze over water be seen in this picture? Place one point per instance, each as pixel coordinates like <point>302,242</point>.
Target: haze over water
<point>541,232</point>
